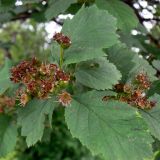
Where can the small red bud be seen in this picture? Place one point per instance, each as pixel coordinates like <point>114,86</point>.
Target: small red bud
<point>63,40</point>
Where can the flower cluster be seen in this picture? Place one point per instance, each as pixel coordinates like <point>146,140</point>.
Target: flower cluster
<point>142,81</point>
<point>6,103</point>
<point>63,40</point>
<point>134,94</point>
<point>39,79</point>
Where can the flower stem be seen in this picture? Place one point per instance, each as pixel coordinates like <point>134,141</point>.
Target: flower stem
<point>61,56</point>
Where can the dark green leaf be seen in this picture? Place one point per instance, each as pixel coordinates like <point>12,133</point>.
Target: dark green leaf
<point>88,40</point>
<point>142,65</point>
<point>133,41</point>
<point>32,118</point>
<point>122,57</point>
<point>155,88</point>
<point>98,74</point>
<point>112,129</point>
<point>152,117</point>
<point>126,17</point>
<point>8,135</point>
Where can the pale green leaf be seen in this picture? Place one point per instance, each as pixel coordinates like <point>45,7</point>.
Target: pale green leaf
<point>112,129</point>
<point>32,117</point>
<point>8,135</point>
<point>88,40</point>
<point>125,15</point>
<point>98,74</point>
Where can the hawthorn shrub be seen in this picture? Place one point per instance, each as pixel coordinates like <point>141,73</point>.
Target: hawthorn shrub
<point>107,92</point>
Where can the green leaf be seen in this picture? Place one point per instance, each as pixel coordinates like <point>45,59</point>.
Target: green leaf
<point>8,135</point>
<point>88,40</point>
<point>129,63</point>
<point>151,117</point>
<point>56,7</point>
<point>142,65</point>
<point>98,74</point>
<point>133,40</point>
<point>5,82</point>
<point>32,118</point>
<point>78,54</point>
<point>126,17</point>
<point>112,129</point>
<point>151,48</point>
<point>155,88</point>
<point>156,64</point>
<point>122,57</point>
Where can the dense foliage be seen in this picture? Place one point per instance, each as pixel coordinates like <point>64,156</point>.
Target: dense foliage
<point>97,80</point>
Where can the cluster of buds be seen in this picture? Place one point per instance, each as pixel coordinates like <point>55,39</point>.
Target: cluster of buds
<point>63,40</point>
<point>6,103</point>
<point>142,81</point>
<point>139,99</point>
<point>134,94</point>
<point>39,80</point>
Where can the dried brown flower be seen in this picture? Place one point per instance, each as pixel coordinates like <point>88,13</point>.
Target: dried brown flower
<point>143,81</point>
<point>64,98</point>
<point>24,98</point>
<point>39,79</point>
<point>134,94</point>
